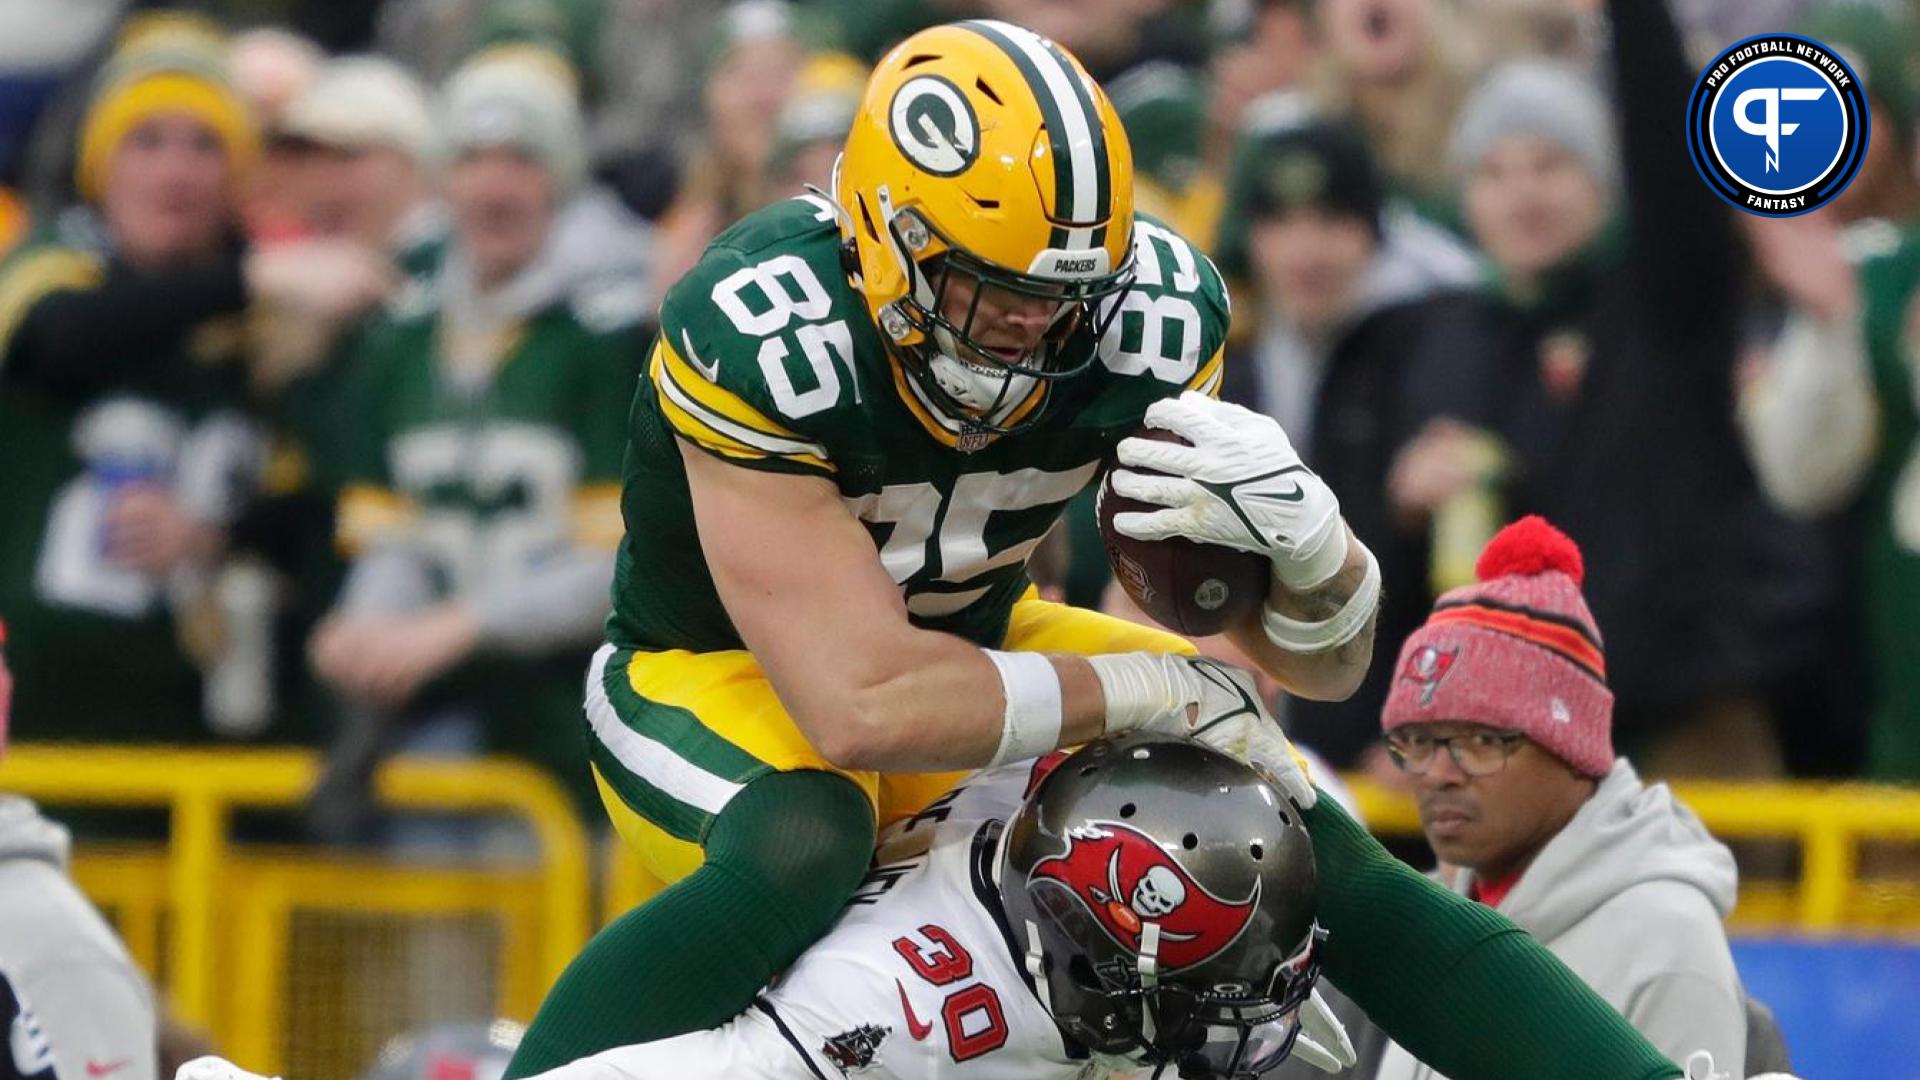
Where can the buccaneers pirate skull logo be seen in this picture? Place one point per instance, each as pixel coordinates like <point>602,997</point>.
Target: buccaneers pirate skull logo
<point>1125,880</point>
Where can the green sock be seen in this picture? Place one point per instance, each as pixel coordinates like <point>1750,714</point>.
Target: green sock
<point>781,860</point>
<point>1454,982</point>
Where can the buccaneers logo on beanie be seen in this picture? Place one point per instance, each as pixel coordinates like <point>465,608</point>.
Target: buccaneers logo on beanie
<point>1518,650</point>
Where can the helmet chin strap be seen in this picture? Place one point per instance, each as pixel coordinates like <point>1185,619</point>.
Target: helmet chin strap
<point>1148,965</point>
<point>1036,957</point>
<point>1036,961</point>
<point>991,394</point>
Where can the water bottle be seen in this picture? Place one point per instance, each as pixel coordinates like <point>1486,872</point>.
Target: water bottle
<point>1463,524</point>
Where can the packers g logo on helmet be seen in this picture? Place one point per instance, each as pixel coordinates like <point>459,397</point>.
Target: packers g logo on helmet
<point>985,162</point>
<point>934,126</point>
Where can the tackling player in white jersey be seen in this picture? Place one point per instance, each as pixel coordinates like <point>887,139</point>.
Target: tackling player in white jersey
<point>1146,902</point>
<point>1144,906</point>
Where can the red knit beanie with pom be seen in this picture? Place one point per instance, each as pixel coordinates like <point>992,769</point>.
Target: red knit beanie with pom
<point>1518,651</point>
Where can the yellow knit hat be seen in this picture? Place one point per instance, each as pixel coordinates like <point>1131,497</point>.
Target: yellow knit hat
<point>164,62</point>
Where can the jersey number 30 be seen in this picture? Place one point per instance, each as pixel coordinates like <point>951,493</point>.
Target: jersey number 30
<point>975,1023</point>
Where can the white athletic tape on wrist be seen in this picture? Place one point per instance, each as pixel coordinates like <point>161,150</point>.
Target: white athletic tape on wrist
<point>1309,572</point>
<point>1141,688</point>
<point>1031,724</point>
<point>1307,638</point>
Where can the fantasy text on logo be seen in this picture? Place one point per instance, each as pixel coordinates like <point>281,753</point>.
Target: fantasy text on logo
<point>1777,125</point>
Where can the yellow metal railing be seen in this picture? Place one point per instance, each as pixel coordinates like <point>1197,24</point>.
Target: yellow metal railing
<point>215,919</point>
<point>227,910</point>
<point>1829,822</point>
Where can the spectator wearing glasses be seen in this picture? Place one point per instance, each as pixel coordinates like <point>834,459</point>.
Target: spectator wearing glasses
<point>1501,717</point>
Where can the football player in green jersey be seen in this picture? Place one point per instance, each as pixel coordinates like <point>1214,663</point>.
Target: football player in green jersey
<point>862,413</point>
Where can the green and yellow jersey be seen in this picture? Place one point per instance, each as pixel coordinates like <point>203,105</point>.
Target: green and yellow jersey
<point>489,478</point>
<point>768,359</point>
<point>487,475</point>
<point>95,644</point>
<point>1890,295</point>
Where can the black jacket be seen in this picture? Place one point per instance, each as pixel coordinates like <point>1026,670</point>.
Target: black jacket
<point>1370,403</point>
<point>1615,394</point>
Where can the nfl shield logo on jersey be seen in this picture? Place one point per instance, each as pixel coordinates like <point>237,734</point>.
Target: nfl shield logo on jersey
<point>972,439</point>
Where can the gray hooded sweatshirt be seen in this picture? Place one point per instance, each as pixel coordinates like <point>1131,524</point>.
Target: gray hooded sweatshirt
<point>87,1010</point>
<point>1632,895</point>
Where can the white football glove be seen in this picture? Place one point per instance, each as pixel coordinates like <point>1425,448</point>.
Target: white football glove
<point>1240,485</point>
<point>1322,1042</point>
<point>1207,700</point>
<point>1700,1066</point>
<point>212,1067</point>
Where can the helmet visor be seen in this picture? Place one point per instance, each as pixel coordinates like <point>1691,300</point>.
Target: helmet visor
<point>1236,1033</point>
<point>993,334</point>
<point>1239,1047</point>
<point>990,315</point>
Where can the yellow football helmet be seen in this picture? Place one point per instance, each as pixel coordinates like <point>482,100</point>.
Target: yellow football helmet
<point>984,156</point>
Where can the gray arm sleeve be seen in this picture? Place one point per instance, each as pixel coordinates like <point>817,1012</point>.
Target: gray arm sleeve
<point>1810,421</point>
<point>561,602</point>
<point>93,1007</point>
<point>388,580</point>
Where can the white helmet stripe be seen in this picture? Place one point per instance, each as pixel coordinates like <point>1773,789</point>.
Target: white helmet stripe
<point>1080,124</point>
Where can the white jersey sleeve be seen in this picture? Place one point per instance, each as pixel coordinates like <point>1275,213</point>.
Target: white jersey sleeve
<point>920,978</point>
<point>748,1047</point>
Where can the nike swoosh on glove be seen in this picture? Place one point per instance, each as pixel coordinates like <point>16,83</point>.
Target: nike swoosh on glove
<point>1233,720</point>
<point>1240,485</point>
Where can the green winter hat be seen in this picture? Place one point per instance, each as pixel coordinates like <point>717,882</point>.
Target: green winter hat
<point>1291,156</point>
<point>1163,107</point>
<point>569,28</point>
<point>1883,48</point>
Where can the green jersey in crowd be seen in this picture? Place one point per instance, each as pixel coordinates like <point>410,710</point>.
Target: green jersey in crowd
<point>486,472</point>
<point>96,645</point>
<point>1890,290</point>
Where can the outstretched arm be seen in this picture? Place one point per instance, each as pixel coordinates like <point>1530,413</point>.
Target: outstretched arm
<point>1459,986</point>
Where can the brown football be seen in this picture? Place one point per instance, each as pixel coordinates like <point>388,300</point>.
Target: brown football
<point>1191,588</point>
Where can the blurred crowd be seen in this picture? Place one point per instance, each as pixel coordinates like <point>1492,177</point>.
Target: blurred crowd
<point>319,324</point>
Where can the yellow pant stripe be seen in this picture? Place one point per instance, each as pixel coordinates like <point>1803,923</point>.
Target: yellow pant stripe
<point>730,721</point>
